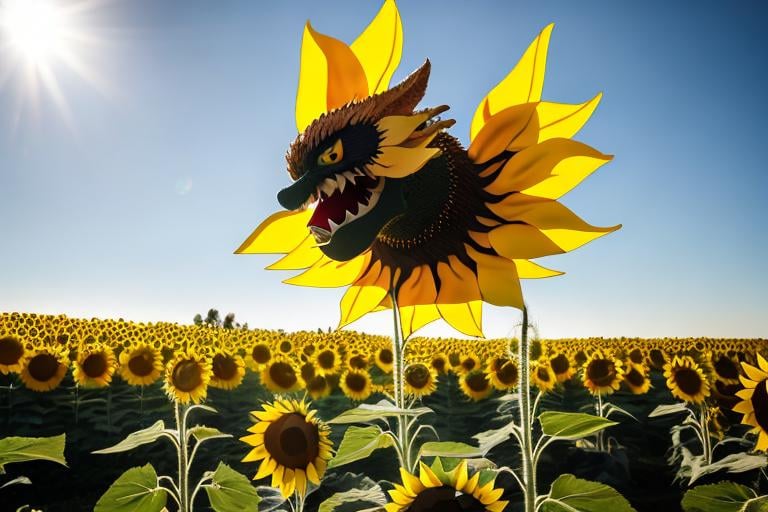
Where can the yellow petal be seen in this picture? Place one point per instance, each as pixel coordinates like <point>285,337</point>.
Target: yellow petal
<point>395,129</point>
<point>330,76</point>
<point>465,318</point>
<point>427,477</point>
<point>762,363</point>
<point>522,85</point>
<point>419,288</point>
<point>498,279</point>
<point>520,241</point>
<point>754,373</point>
<point>410,482</point>
<point>328,273</point>
<point>312,475</point>
<point>301,482</point>
<point>401,161</point>
<point>380,47</point>
<point>266,468</point>
<point>562,120</point>
<point>257,453</point>
<point>499,506</point>
<point>458,284</point>
<point>361,298</point>
<point>512,129</point>
<point>549,169</point>
<point>281,232</point>
<point>305,255</point>
<point>413,318</point>
<point>471,484</point>
<point>566,229</point>
<point>743,407</point>
<point>461,474</point>
<point>529,270</point>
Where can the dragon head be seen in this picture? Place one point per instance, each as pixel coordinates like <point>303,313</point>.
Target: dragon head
<point>351,161</point>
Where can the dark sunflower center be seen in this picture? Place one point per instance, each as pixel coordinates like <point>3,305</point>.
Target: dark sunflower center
<point>636,356</point>
<point>224,367</point>
<point>634,377</point>
<point>507,374</point>
<point>307,371</point>
<point>355,382</point>
<point>477,382</point>
<point>326,359</point>
<point>187,375</point>
<point>385,356</point>
<point>454,359</point>
<point>760,404</point>
<point>316,384</point>
<point>308,349</point>
<point>601,372</point>
<point>11,350</point>
<point>542,374</point>
<point>560,364</point>
<point>444,499</point>
<point>283,374</point>
<point>285,346</point>
<point>438,364</point>
<point>292,441</point>
<point>261,353</point>
<point>417,376</point>
<point>358,361</point>
<point>580,358</point>
<point>657,358</point>
<point>142,363</point>
<point>95,365</point>
<point>468,364</point>
<point>726,368</point>
<point>43,367</point>
<point>688,381</point>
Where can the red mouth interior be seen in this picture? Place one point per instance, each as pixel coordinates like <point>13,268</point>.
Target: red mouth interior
<point>336,206</point>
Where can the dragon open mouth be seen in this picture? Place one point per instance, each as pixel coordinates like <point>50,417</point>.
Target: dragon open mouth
<point>343,198</point>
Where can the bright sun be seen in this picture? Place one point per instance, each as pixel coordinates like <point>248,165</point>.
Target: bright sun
<point>36,29</point>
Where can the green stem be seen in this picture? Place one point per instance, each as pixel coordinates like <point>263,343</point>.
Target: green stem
<point>526,420</point>
<point>181,428</point>
<point>398,378</point>
<point>706,438</point>
<point>600,445</point>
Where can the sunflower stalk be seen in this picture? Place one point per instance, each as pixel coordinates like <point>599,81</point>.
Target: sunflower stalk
<point>706,436</point>
<point>528,476</point>
<point>181,450</point>
<point>398,376</point>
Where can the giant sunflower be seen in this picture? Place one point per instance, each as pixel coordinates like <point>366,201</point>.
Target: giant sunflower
<point>187,376</point>
<point>754,404</point>
<point>686,379</point>
<point>141,364</point>
<point>387,203</point>
<point>44,368</point>
<point>12,354</point>
<point>602,373</point>
<point>94,366</point>
<point>440,491</point>
<point>291,443</point>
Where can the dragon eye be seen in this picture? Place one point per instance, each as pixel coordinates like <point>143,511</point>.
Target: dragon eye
<point>332,155</point>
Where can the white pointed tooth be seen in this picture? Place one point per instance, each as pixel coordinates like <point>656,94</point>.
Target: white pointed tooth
<point>328,186</point>
<point>348,217</point>
<point>358,172</point>
<point>350,176</point>
<point>333,226</point>
<point>341,182</point>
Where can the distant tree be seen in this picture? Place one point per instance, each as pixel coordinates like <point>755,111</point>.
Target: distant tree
<point>213,319</point>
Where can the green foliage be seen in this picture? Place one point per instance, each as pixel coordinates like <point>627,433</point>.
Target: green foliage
<point>137,490</point>
<point>449,449</point>
<point>572,425</point>
<point>22,449</point>
<point>359,443</point>
<point>571,494</point>
<point>724,497</point>
<point>202,433</point>
<point>229,491</point>
<point>355,500</point>
<point>138,438</point>
<point>366,413</point>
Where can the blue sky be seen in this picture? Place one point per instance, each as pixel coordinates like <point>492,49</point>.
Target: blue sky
<point>132,205</point>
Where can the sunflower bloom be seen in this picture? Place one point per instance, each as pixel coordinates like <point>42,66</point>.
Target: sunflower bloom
<point>227,370</point>
<point>44,368</point>
<point>291,443</point>
<point>420,380</point>
<point>387,204</point>
<point>455,491</point>
<point>754,404</point>
<point>686,379</point>
<point>94,366</point>
<point>602,374</point>
<point>187,376</point>
<point>141,364</point>
<point>12,355</point>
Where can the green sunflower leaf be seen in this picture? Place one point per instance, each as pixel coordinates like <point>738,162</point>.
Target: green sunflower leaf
<point>572,425</point>
<point>202,433</point>
<point>358,443</point>
<point>136,490</point>
<point>664,410</point>
<point>449,449</point>
<point>138,438</point>
<point>365,413</point>
<point>354,500</point>
<point>22,449</point>
<point>724,497</point>
<point>229,491</point>
<point>571,494</point>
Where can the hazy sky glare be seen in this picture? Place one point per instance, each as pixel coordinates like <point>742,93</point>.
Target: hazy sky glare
<point>133,207</point>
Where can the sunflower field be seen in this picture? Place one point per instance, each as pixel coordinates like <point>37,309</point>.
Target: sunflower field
<point>653,421</point>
